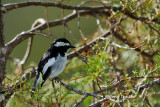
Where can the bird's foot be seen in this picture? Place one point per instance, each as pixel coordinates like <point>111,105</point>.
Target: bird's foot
<point>57,79</point>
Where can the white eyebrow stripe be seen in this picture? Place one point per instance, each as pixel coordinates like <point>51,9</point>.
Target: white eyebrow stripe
<point>61,44</point>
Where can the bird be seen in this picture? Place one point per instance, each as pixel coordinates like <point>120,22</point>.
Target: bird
<point>52,62</point>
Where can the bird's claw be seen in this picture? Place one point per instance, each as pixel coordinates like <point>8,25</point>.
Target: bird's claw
<point>57,79</point>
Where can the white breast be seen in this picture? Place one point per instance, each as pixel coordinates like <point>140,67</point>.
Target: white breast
<point>58,66</point>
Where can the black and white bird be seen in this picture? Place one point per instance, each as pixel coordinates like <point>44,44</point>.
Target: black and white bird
<point>53,61</point>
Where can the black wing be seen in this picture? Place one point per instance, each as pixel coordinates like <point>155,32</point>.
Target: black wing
<point>43,61</point>
<point>51,52</point>
<point>46,75</point>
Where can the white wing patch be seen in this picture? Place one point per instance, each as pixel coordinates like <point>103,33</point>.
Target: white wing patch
<point>58,44</point>
<point>48,64</point>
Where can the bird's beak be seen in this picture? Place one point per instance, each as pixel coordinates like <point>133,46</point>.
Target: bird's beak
<point>72,47</point>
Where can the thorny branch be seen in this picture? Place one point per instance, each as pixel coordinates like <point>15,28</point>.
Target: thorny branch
<point>79,102</point>
<point>15,87</point>
<point>134,48</point>
<point>24,35</point>
<point>98,102</point>
<point>11,6</point>
<point>117,35</point>
<point>146,99</point>
<point>76,90</point>
<point>140,89</point>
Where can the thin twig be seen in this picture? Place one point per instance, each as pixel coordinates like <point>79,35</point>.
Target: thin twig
<point>28,51</point>
<point>100,88</point>
<point>46,14</point>
<point>64,30</point>
<point>139,89</point>
<point>30,42</point>
<point>98,23</point>
<point>117,35</point>
<point>130,48</point>
<point>79,28</point>
<point>82,99</point>
<point>50,36</point>
<point>146,99</point>
<point>94,90</point>
<point>89,45</point>
<point>54,89</point>
<point>76,90</point>
<point>98,102</point>
<point>70,31</point>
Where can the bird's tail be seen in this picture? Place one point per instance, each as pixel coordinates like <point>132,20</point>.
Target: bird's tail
<point>32,92</point>
<point>34,86</point>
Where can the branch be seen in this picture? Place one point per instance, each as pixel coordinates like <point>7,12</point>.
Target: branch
<point>11,6</point>
<point>150,84</point>
<point>79,102</point>
<point>109,88</point>
<point>20,63</point>
<point>130,48</point>
<point>76,90</point>
<point>98,102</point>
<point>143,19</point>
<point>29,47</point>
<point>54,90</point>
<point>139,89</point>
<point>118,36</point>
<point>13,88</point>
<point>120,82</point>
<point>146,98</point>
<point>89,45</point>
<point>24,35</point>
<point>102,38</point>
<point>32,74</point>
<point>3,54</point>
<point>1,27</point>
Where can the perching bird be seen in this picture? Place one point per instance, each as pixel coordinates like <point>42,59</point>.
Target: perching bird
<point>53,61</point>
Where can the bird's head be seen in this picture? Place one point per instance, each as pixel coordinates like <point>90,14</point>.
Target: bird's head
<point>62,43</point>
